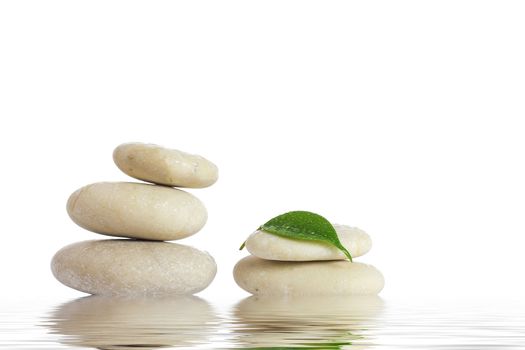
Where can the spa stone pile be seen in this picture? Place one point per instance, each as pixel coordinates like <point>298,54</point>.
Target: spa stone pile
<point>283,266</point>
<point>146,215</point>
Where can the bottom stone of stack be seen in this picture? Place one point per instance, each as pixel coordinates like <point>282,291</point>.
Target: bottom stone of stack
<point>265,277</point>
<point>134,268</point>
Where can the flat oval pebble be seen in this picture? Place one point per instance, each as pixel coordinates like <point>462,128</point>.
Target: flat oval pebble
<point>272,247</point>
<point>255,309</point>
<point>266,277</point>
<point>171,167</point>
<point>135,210</point>
<point>136,268</point>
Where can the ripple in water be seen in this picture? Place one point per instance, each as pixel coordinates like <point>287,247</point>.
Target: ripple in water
<point>276,323</point>
<point>115,323</point>
<point>312,323</point>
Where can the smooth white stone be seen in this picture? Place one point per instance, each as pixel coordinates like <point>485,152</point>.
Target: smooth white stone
<point>256,307</point>
<point>266,277</point>
<point>130,267</point>
<point>272,247</point>
<point>136,210</point>
<point>171,167</point>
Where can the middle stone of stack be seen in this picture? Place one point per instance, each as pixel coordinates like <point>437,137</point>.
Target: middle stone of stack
<point>135,210</point>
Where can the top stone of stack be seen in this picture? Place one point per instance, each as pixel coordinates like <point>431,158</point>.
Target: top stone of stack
<point>163,166</point>
<point>268,246</point>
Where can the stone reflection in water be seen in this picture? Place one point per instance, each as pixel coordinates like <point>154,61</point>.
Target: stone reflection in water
<point>113,323</point>
<point>305,322</point>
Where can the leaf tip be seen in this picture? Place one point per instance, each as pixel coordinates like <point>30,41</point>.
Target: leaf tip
<point>346,253</point>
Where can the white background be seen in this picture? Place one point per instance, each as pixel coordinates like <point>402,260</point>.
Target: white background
<point>402,118</point>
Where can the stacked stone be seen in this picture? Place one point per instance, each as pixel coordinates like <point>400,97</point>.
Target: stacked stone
<point>146,215</point>
<point>283,266</point>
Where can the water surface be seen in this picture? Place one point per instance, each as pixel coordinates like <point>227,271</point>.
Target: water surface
<point>263,323</point>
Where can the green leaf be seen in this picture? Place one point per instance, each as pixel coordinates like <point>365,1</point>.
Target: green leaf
<point>304,225</point>
<point>242,245</point>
